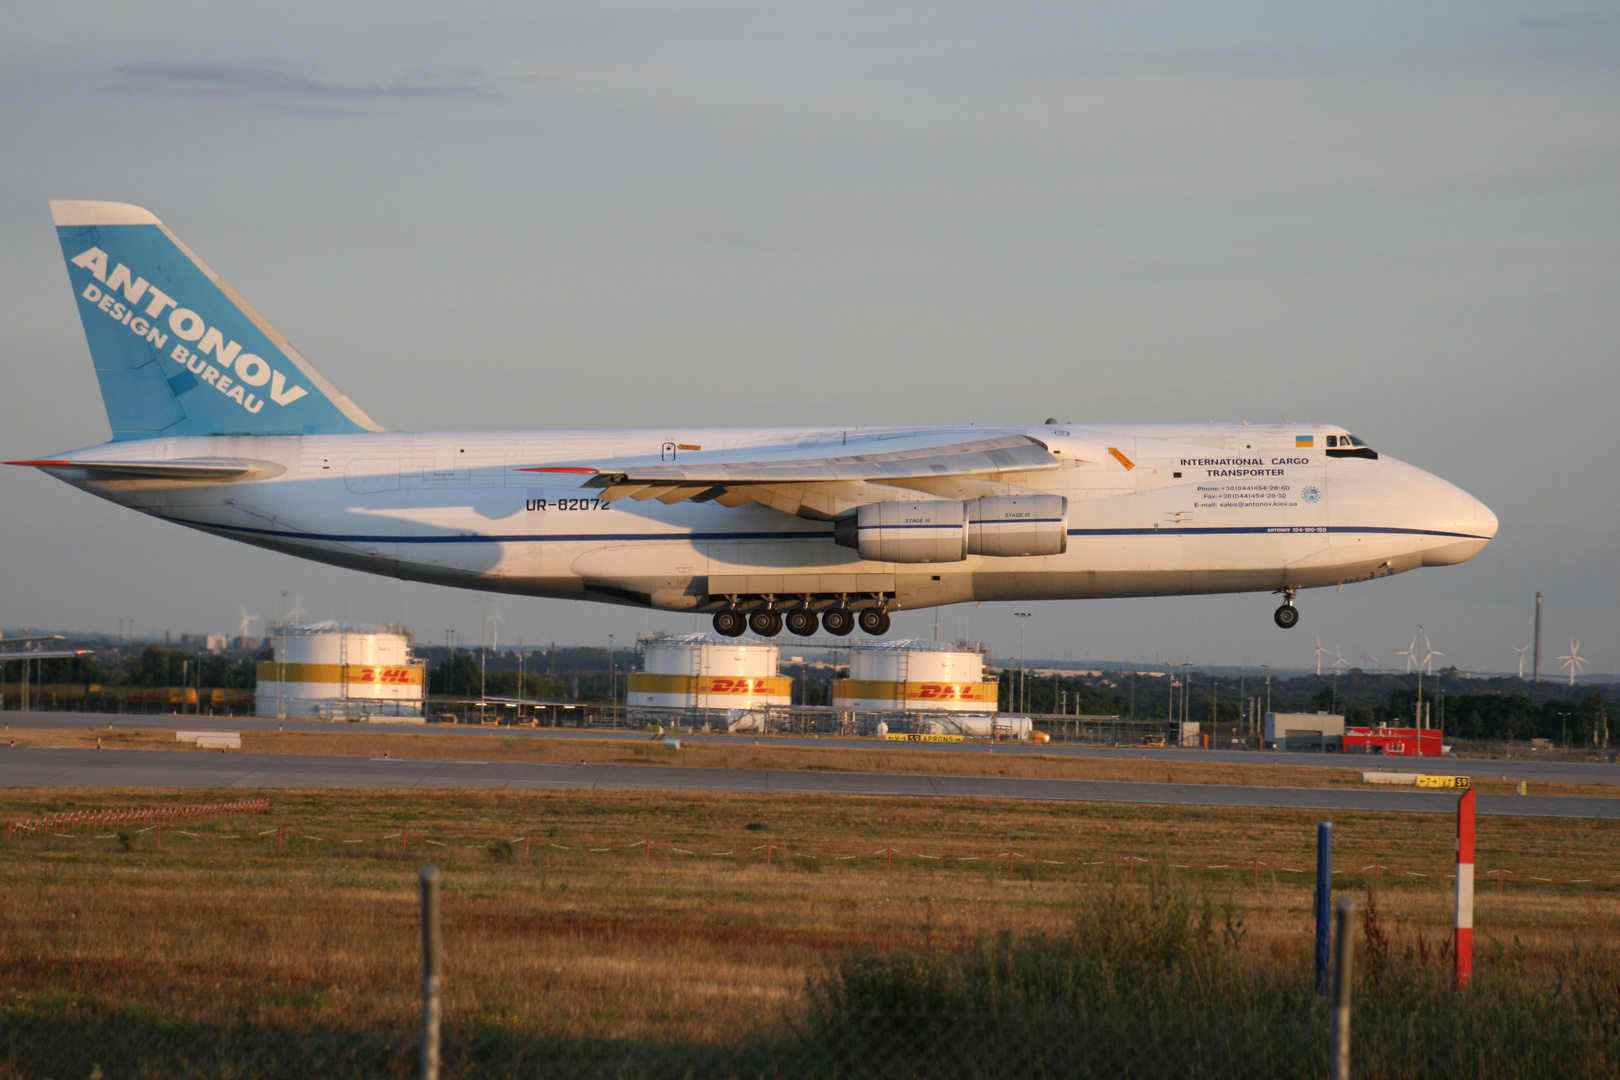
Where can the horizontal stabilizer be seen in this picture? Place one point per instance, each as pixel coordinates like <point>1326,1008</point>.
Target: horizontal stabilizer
<point>204,470</point>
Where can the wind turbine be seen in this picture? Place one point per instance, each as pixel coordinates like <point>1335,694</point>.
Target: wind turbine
<point>247,617</point>
<point>1573,661</point>
<point>1429,654</point>
<point>1521,652</point>
<point>1320,652</point>
<point>1410,652</point>
<point>1338,660</point>
<point>1377,664</point>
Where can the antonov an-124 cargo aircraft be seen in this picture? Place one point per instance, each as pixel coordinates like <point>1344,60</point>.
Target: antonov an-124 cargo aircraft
<point>219,424</point>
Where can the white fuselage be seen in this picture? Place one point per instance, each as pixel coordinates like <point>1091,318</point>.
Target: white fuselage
<point>1153,510</point>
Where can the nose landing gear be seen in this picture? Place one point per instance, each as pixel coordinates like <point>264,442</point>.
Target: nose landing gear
<point>1287,616</point>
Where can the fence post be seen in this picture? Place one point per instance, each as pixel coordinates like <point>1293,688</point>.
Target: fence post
<point>1343,958</point>
<point>1324,902</point>
<point>1465,889</point>
<point>432,972</point>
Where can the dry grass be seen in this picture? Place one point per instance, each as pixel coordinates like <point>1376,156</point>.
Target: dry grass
<point>704,948</point>
<point>1150,766</point>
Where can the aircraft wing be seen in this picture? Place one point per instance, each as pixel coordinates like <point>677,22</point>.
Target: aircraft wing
<point>818,485</point>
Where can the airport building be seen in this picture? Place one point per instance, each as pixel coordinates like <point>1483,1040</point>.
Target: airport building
<point>1304,731</point>
<point>340,671</point>
<point>705,671</point>
<point>916,675</point>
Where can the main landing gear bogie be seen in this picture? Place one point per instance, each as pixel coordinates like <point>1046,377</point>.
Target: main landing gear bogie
<point>765,622</point>
<point>729,622</point>
<point>838,621</point>
<point>736,619</point>
<point>800,622</point>
<point>874,621</point>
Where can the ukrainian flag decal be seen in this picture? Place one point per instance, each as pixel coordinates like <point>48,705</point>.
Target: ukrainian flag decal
<point>1304,442</point>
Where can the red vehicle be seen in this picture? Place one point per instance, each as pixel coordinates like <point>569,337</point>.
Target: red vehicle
<point>1392,741</point>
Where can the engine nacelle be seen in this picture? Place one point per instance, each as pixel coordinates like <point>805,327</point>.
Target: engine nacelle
<point>1013,525</point>
<point>940,530</point>
<point>906,532</point>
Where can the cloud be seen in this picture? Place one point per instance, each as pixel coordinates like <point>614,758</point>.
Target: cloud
<point>265,81</point>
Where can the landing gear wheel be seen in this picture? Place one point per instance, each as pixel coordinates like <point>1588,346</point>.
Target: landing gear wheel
<point>1287,616</point>
<point>801,621</point>
<point>765,623</point>
<point>875,621</point>
<point>837,621</point>
<point>729,622</point>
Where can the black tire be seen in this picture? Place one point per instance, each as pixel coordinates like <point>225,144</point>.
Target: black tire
<point>765,623</point>
<point>800,622</point>
<point>729,622</point>
<point>875,621</point>
<point>837,621</point>
<point>1287,616</point>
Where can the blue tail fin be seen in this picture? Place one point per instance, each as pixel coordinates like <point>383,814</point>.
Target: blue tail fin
<point>177,352</point>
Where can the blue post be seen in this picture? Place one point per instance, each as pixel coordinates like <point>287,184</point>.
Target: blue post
<point>1324,901</point>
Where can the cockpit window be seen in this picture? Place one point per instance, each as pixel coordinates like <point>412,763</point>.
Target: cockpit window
<point>1349,446</point>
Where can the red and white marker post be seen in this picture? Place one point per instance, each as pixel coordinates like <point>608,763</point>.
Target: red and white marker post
<point>1465,889</point>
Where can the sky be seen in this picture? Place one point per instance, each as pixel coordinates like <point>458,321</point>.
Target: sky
<point>1400,218</point>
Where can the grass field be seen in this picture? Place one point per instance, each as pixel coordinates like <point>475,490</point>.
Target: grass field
<point>205,942</point>
<point>1490,777</point>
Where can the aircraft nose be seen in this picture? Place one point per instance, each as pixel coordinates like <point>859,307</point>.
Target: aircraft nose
<point>1459,526</point>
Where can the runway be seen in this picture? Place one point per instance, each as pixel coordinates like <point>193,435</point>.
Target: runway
<point>1529,769</point>
<point>46,767</point>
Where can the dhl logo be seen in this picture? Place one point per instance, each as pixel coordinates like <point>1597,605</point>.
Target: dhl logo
<point>388,676</point>
<point>740,685</point>
<point>946,692</point>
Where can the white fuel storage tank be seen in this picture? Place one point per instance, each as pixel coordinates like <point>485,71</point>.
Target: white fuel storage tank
<point>338,670</point>
<point>916,675</point>
<point>705,671</point>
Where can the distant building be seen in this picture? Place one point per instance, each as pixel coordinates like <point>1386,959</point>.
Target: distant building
<point>1304,731</point>
<point>249,643</point>
<point>204,642</point>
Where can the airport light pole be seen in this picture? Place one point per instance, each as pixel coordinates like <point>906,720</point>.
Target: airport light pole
<point>1259,735</point>
<point>1023,678</point>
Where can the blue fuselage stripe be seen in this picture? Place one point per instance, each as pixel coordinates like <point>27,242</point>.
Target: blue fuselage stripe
<point>695,537</point>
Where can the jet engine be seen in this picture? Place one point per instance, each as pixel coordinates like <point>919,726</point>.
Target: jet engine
<point>939,530</point>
